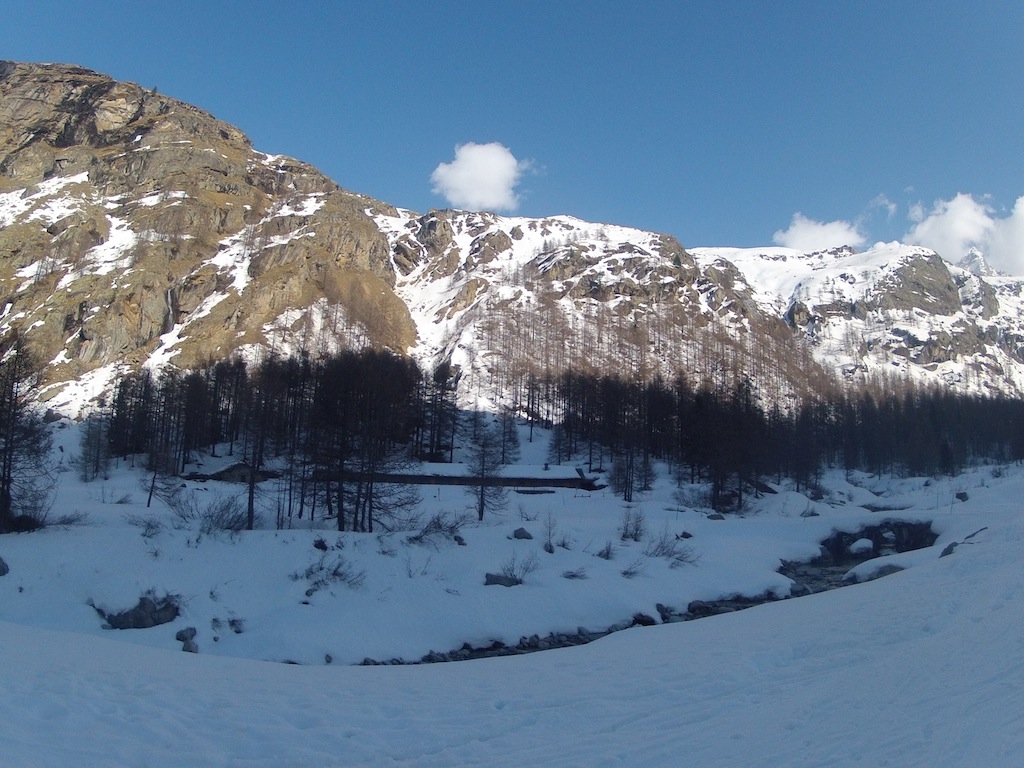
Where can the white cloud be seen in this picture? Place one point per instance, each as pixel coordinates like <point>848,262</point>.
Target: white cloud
<point>954,226</point>
<point>881,202</point>
<point>1006,245</point>
<point>481,177</point>
<point>808,235</point>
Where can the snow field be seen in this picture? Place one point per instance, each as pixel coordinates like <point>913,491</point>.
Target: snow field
<point>925,667</point>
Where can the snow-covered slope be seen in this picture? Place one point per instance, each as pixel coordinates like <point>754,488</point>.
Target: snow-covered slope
<point>922,667</point>
<point>502,295</point>
<point>461,273</point>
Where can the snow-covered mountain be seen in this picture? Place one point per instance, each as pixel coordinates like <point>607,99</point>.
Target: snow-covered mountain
<point>593,295</point>
<point>138,230</point>
<point>893,310</point>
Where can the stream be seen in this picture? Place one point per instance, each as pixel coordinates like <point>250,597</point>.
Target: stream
<point>820,574</point>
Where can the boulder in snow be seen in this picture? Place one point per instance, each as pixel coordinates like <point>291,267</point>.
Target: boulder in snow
<point>150,611</point>
<point>499,579</point>
<point>861,547</point>
<point>186,637</point>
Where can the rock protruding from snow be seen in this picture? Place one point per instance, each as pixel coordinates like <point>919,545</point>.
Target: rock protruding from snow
<point>500,580</point>
<point>150,611</point>
<point>858,575</point>
<point>187,639</point>
<point>861,547</point>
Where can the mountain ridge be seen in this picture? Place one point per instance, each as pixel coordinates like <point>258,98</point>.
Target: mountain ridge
<point>138,230</point>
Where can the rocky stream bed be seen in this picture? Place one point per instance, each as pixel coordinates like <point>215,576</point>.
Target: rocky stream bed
<point>840,552</point>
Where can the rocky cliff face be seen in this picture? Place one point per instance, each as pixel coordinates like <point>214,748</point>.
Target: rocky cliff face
<point>138,230</point>
<point>135,228</point>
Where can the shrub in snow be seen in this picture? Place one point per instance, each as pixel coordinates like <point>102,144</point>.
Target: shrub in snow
<point>668,546</point>
<point>148,526</point>
<point>65,521</point>
<point>525,516</point>
<point>633,569</point>
<point>575,573</point>
<point>516,569</point>
<point>606,552</point>
<point>633,524</point>
<point>549,534</point>
<point>441,525</point>
<point>385,547</point>
<point>224,513</point>
<point>412,570</point>
<point>326,571</point>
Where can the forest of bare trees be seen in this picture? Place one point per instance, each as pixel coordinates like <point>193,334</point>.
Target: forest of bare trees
<point>324,437</point>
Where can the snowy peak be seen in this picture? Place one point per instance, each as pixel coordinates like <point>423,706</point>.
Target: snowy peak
<point>975,263</point>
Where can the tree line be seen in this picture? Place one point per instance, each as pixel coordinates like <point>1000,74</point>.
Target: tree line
<point>332,429</point>
<point>726,438</point>
<point>328,428</point>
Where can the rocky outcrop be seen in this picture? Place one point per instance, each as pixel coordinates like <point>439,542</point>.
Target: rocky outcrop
<point>500,580</point>
<point>133,224</point>
<point>923,283</point>
<point>886,536</point>
<point>150,611</point>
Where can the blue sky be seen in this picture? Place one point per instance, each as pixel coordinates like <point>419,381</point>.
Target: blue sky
<point>716,122</point>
